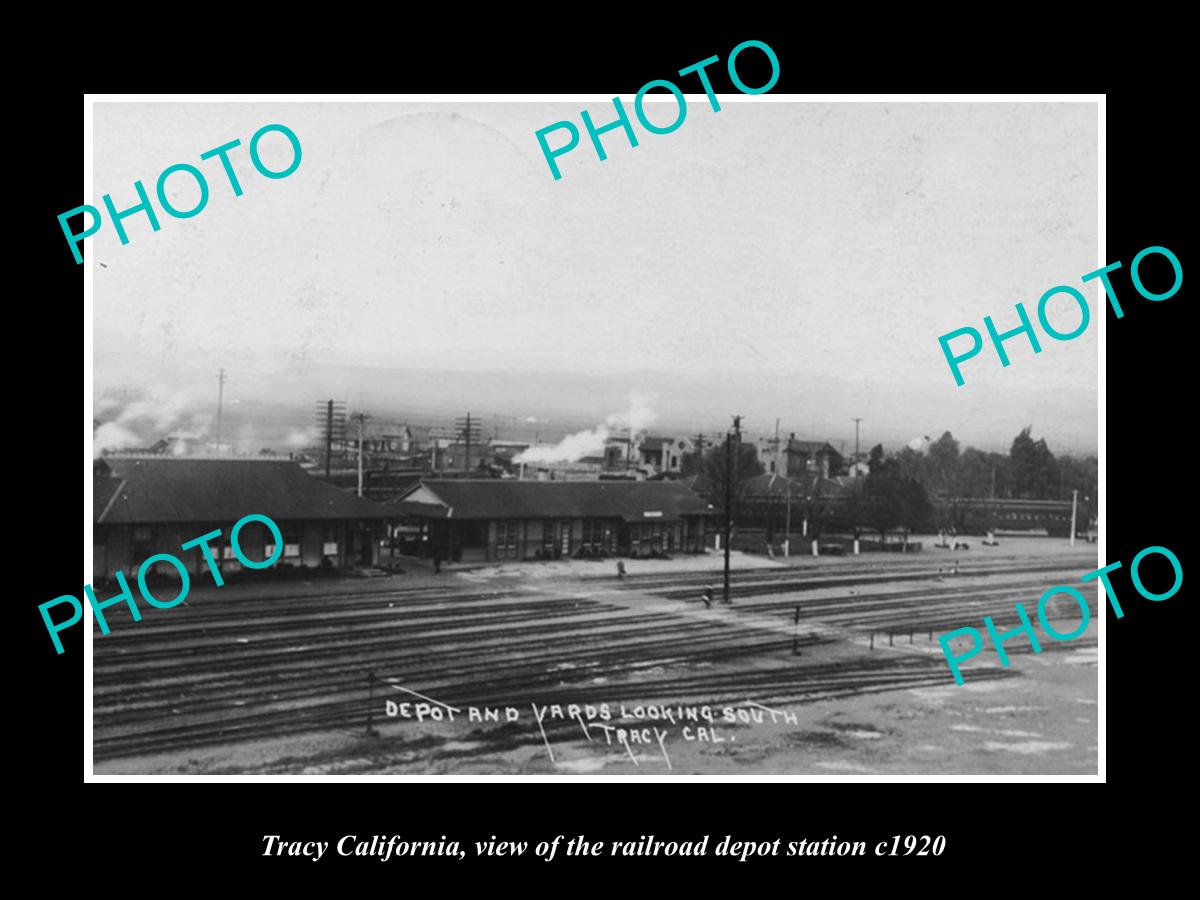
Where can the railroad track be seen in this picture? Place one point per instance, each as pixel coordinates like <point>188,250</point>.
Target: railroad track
<point>569,619</point>
<point>307,670</point>
<point>211,626</point>
<point>803,684</point>
<point>229,607</point>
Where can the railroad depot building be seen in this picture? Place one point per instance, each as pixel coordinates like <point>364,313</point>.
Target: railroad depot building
<point>482,520</point>
<point>142,506</point>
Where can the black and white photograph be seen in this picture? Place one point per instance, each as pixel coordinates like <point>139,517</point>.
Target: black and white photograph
<point>512,436</point>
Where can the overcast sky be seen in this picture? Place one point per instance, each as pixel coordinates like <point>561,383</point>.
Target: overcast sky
<point>810,253</point>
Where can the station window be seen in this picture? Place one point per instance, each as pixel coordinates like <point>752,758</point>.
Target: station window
<point>506,534</point>
<point>142,542</point>
<point>291,543</point>
<point>593,534</point>
<point>329,541</point>
<point>291,547</point>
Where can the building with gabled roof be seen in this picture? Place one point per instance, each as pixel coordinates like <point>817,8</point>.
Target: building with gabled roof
<point>794,458</point>
<point>142,506</point>
<point>663,454</point>
<point>514,519</point>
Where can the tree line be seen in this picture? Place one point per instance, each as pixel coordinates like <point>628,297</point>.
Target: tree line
<point>904,489</point>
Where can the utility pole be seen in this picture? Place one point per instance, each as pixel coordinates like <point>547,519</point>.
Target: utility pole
<point>787,528</point>
<point>361,418</point>
<point>332,416</point>
<point>775,449</point>
<point>469,429</point>
<point>731,446</point>
<point>857,420</point>
<point>220,404</point>
<point>1074,505</point>
<point>728,504</point>
<point>329,437</point>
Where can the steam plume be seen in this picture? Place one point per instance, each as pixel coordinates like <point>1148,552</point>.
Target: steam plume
<point>590,442</point>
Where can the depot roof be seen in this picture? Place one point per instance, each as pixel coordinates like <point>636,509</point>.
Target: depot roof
<point>168,489</point>
<point>633,501</point>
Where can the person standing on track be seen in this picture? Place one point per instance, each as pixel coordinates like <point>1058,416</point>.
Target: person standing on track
<point>707,596</point>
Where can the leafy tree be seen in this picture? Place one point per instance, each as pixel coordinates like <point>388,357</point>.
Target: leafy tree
<point>877,460</point>
<point>944,451</point>
<point>910,463</point>
<point>896,501</point>
<point>976,470</point>
<point>1081,474</point>
<point>1034,468</point>
<point>916,513</point>
<point>818,508</point>
<point>943,467</point>
<point>692,462</point>
<point>837,464</point>
<point>852,507</point>
<point>746,466</point>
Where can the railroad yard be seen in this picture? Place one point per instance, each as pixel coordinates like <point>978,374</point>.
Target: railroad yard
<point>827,666</point>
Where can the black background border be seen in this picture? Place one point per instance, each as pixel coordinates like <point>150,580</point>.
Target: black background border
<point>216,832</point>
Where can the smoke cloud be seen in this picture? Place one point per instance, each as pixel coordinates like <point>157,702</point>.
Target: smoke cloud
<point>298,439</point>
<point>574,447</point>
<point>127,423</point>
<point>111,436</point>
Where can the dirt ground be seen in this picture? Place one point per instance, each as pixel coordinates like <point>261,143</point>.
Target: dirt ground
<point>1043,720</point>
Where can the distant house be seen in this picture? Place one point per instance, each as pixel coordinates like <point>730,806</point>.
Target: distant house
<point>456,456</point>
<point>649,455</point>
<point>810,458</point>
<point>388,439</point>
<point>150,505</point>
<point>618,453</point>
<point>510,519</point>
<point>663,454</point>
<point>504,452</point>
